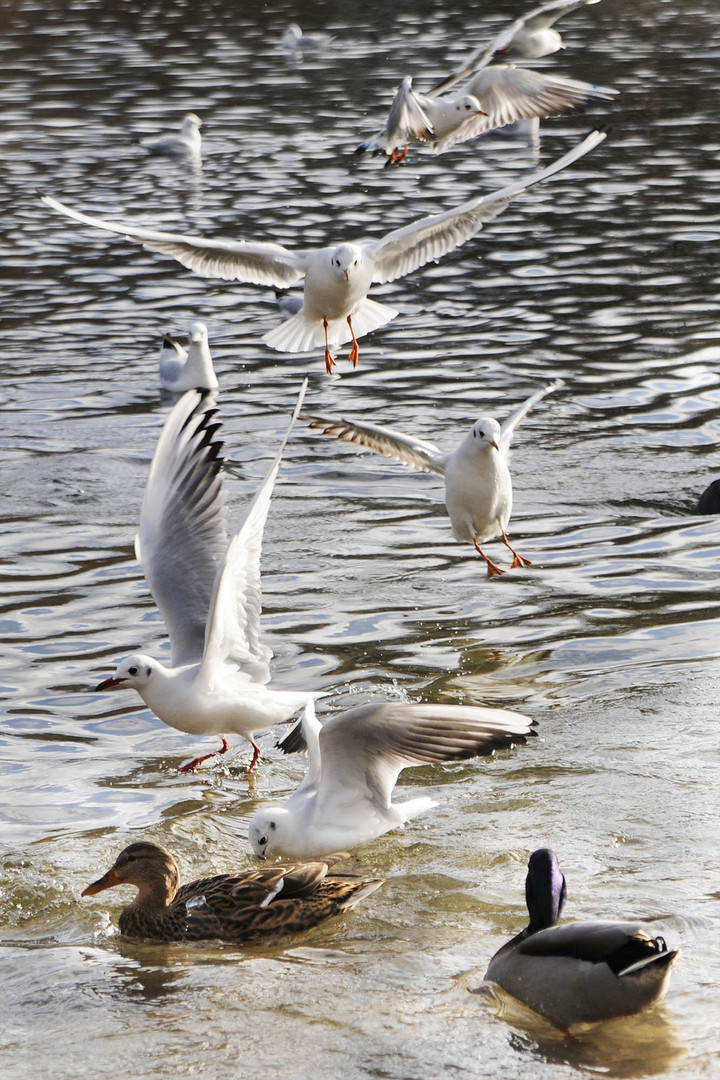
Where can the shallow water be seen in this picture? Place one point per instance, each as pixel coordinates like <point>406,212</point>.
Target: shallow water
<point>605,277</point>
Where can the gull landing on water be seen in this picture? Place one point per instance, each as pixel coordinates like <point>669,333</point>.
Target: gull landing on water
<point>478,487</point>
<point>354,760</point>
<point>336,307</point>
<point>208,590</point>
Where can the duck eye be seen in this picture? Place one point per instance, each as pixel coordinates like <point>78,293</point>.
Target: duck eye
<point>132,670</point>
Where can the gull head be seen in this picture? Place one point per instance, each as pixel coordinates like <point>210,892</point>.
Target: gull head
<point>198,333</point>
<point>345,260</point>
<point>467,105</point>
<point>268,829</point>
<point>191,124</point>
<point>485,433</point>
<point>134,672</point>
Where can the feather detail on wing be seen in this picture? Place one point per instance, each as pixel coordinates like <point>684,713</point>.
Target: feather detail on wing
<point>507,93</point>
<point>182,537</point>
<point>232,260</point>
<point>383,440</point>
<point>414,245</point>
<point>364,750</point>
<point>507,428</point>
<point>233,627</point>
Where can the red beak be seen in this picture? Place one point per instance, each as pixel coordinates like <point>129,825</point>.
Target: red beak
<point>108,684</point>
<point>493,443</point>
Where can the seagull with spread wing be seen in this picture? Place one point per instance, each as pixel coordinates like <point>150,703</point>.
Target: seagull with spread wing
<point>478,487</point>
<point>354,760</point>
<point>208,591</point>
<point>336,307</point>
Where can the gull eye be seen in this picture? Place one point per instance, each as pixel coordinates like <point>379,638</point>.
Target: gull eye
<point>262,840</point>
<point>132,670</point>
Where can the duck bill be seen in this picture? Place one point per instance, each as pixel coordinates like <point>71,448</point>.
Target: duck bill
<point>108,684</point>
<point>105,882</point>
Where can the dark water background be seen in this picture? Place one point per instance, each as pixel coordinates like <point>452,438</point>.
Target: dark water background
<point>608,278</point>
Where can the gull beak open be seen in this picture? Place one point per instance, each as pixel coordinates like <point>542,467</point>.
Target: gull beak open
<point>108,684</point>
<point>105,882</point>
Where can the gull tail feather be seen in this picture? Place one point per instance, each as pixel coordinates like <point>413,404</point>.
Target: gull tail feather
<point>297,334</point>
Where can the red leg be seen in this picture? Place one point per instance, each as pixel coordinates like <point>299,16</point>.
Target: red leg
<point>329,362</point>
<point>397,156</point>
<point>354,352</point>
<point>255,758</point>
<point>492,569</point>
<point>518,560</point>
<point>192,765</point>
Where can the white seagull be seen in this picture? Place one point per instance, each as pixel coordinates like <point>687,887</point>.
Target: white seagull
<point>345,798</point>
<point>295,41</point>
<point>188,144</point>
<point>496,96</point>
<point>208,591</point>
<point>478,487</point>
<point>187,369</point>
<point>335,306</point>
<point>528,38</point>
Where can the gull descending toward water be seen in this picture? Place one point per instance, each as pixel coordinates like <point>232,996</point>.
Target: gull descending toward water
<point>355,759</point>
<point>496,96</point>
<point>527,38</point>
<point>579,972</point>
<point>208,591</point>
<point>335,306</point>
<point>187,369</point>
<point>478,487</point>
<point>188,144</point>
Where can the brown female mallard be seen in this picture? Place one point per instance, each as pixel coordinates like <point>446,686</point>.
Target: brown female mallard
<point>250,906</point>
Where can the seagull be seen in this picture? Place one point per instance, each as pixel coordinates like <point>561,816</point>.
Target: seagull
<point>478,488</point>
<point>529,37</point>
<point>496,96</point>
<point>208,591</point>
<point>187,369</point>
<point>294,40</point>
<point>355,759</point>
<point>579,972</point>
<point>187,144</point>
<point>335,306</point>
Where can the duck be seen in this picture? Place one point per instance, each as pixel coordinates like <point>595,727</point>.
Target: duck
<point>250,906</point>
<point>187,369</point>
<point>581,972</point>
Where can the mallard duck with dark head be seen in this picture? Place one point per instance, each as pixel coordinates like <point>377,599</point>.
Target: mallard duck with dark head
<point>251,906</point>
<point>578,972</point>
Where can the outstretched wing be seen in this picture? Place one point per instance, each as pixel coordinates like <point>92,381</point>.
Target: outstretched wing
<point>509,93</point>
<point>233,626</point>
<point>365,749</point>
<point>182,538</point>
<point>405,249</point>
<point>383,440</point>
<point>233,260</point>
<point>539,17</point>
<point>406,119</point>
<point>507,428</point>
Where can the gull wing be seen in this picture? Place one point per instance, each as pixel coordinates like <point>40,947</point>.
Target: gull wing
<point>233,625</point>
<point>182,538</point>
<point>233,260</point>
<point>365,749</point>
<point>383,440</point>
<point>507,93</point>
<point>405,119</point>
<point>507,428</point>
<point>414,245</point>
<point>537,18</point>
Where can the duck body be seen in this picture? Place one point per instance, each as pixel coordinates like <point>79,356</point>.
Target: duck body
<point>248,907</point>
<point>579,972</point>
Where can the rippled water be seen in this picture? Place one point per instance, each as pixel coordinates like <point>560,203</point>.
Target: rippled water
<point>606,277</point>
